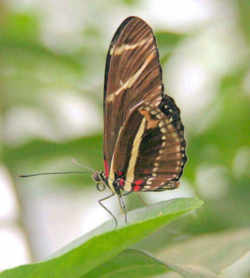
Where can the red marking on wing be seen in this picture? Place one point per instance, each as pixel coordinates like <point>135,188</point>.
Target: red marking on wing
<point>139,182</point>
<point>121,182</point>
<point>106,168</point>
<point>137,185</point>
<point>137,188</point>
<point>120,173</point>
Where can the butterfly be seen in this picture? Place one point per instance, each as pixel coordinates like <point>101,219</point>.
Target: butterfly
<point>144,145</point>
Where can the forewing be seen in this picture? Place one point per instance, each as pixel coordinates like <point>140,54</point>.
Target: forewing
<point>132,74</point>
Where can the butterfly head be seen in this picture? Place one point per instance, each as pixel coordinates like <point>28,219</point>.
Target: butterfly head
<point>101,181</point>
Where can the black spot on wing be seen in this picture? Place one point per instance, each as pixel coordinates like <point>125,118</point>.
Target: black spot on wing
<point>169,108</point>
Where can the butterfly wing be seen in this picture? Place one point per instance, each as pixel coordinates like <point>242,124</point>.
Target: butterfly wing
<point>161,156</point>
<point>132,72</point>
<point>143,135</point>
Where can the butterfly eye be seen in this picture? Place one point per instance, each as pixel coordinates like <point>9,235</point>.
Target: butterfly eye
<point>100,186</point>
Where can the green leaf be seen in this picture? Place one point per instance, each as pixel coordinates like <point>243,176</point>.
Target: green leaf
<point>27,65</point>
<point>102,244</point>
<point>192,271</point>
<point>21,159</point>
<point>131,2</point>
<point>129,263</point>
<point>240,268</point>
<point>243,17</point>
<point>167,42</point>
<point>215,252</point>
<point>39,151</point>
<point>21,28</point>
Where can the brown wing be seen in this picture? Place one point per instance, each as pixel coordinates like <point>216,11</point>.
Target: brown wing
<point>144,144</point>
<point>132,74</point>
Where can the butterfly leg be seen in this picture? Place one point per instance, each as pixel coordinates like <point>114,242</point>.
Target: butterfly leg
<point>107,210</point>
<point>123,208</point>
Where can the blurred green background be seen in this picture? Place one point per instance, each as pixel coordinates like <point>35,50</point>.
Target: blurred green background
<point>51,79</point>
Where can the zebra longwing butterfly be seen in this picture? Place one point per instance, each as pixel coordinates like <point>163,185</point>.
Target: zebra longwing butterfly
<point>144,145</point>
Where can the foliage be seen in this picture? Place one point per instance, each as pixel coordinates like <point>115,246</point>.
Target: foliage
<point>100,247</point>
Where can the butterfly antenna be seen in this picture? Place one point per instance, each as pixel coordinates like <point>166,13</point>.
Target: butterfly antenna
<point>75,162</point>
<point>51,173</point>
